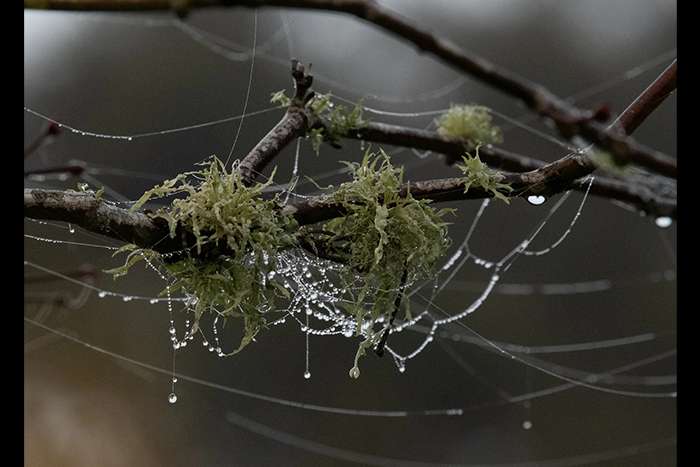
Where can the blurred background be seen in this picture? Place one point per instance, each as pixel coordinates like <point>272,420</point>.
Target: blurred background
<point>613,277</point>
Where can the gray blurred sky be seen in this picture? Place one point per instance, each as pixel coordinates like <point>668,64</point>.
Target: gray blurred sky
<point>120,74</point>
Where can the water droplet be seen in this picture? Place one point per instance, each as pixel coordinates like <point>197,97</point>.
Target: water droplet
<point>172,330</point>
<point>174,380</point>
<point>354,372</point>
<point>527,424</point>
<point>102,294</point>
<point>172,398</point>
<point>402,369</point>
<point>127,298</point>
<point>307,374</point>
<point>153,301</point>
<point>536,200</point>
<point>663,222</point>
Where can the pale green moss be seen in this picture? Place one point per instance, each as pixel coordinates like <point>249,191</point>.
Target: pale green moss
<point>478,174</point>
<point>605,161</point>
<point>469,122</point>
<point>237,236</point>
<point>388,240</point>
<point>385,233</point>
<point>337,120</point>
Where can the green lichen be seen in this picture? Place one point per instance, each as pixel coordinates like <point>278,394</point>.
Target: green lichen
<point>478,174</point>
<point>386,238</point>
<point>336,120</point>
<point>237,235</point>
<point>469,122</point>
<point>385,233</point>
<point>605,161</point>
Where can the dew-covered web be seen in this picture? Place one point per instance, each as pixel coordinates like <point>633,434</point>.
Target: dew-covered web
<point>318,288</point>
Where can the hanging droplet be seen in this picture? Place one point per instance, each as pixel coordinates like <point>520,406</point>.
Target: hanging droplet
<point>127,298</point>
<point>172,330</point>
<point>663,222</point>
<point>172,398</point>
<point>536,200</point>
<point>102,294</point>
<point>71,229</point>
<point>307,374</point>
<point>153,301</point>
<point>174,380</point>
<point>527,424</point>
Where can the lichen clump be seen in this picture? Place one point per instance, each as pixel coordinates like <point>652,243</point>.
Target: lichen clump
<point>605,161</point>
<point>237,234</point>
<point>388,235</point>
<point>385,237</point>
<point>336,120</point>
<point>478,174</point>
<point>469,122</point>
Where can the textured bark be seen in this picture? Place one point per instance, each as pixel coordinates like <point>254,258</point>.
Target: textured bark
<point>292,125</point>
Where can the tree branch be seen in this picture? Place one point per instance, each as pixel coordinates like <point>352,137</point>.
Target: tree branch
<point>649,99</point>
<point>93,214</point>
<point>293,124</point>
<point>569,119</point>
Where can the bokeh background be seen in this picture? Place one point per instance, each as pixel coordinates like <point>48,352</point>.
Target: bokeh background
<point>135,73</point>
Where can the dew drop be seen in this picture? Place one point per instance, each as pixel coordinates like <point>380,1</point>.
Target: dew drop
<point>527,424</point>
<point>536,200</point>
<point>174,380</point>
<point>307,374</point>
<point>663,222</point>
<point>102,294</point>
<point>172,398</point>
